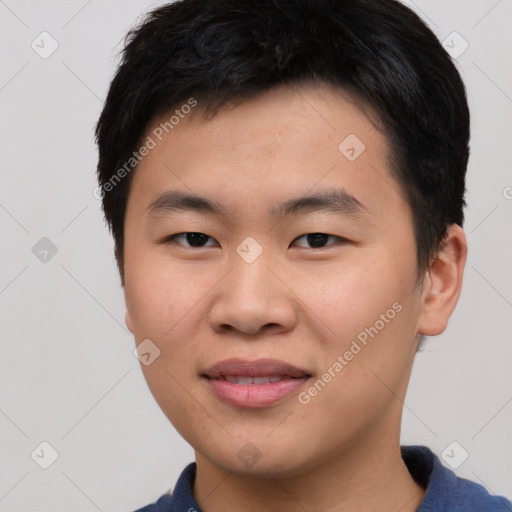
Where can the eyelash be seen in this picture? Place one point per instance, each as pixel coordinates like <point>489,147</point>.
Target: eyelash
<point>171,239</point>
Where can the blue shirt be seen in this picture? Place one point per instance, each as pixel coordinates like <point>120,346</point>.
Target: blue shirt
<point>445,492</point>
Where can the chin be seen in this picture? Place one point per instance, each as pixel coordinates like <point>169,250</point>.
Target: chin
<point>257,461</point>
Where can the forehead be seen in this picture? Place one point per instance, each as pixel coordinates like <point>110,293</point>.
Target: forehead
<point>259,153</point>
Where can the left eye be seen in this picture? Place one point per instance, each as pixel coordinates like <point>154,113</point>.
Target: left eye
<point>193,238</point>
<point>317,240</point>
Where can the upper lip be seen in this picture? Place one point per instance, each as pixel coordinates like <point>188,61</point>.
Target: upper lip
<point>257,368</point>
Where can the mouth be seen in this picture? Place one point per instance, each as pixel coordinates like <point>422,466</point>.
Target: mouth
<point>246,380</point>
<point>254,384</point>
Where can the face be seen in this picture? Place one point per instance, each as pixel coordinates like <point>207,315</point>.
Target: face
<point>325,290</point>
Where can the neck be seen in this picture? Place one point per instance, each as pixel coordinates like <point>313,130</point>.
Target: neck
<point>370,478</point>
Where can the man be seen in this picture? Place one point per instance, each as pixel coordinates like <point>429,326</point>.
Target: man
<point>285,184</point>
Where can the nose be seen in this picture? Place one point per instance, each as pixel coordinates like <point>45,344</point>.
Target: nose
<point>254,298</point>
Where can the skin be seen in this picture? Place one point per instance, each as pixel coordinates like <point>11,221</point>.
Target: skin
<point>297,303</point>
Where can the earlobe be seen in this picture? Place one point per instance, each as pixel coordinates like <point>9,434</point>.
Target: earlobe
<point>128,317</point>
<point>128,322</point>
<point>443,283</point>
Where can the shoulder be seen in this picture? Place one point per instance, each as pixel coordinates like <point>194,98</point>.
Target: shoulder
<point>163,504</point>
<point>445,491</point>
<point>182,498</point>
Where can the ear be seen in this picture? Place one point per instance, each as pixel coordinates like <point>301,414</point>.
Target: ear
<point>128,321</point>
<point>128,316</point>
<point>442,284</point>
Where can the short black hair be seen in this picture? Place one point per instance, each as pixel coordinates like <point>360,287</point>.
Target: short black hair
<point>219,51</point>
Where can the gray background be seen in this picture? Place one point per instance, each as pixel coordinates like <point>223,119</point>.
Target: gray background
<point>67,372</point>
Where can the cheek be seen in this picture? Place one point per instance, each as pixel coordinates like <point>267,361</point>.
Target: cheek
<point>163,297</point>
<point>348,301</point>
<point>152,294</point>
<point>370,312</point>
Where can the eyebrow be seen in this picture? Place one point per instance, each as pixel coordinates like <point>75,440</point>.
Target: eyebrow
<point>332,200</point>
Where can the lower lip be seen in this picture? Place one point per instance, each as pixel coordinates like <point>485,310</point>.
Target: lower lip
<point>255,395</point>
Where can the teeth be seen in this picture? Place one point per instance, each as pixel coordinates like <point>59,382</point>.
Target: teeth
<point>261,380</point>
<point>236,379</point>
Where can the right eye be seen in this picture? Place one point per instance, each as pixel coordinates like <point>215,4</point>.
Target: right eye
<point>193,238</point>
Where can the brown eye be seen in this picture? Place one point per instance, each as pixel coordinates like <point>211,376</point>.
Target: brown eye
<point>194,239</point>
<point>317,240</point>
